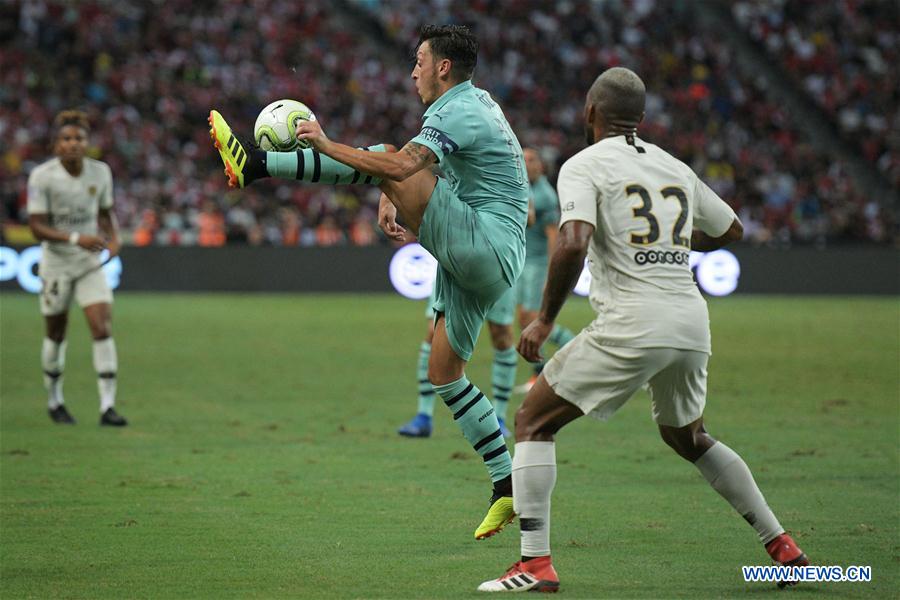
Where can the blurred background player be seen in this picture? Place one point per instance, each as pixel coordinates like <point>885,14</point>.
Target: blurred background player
<point>68,198</point>
<point>639,211</point>
<point>540,237</point>
<point>472,220</point>
<point>503,369</point>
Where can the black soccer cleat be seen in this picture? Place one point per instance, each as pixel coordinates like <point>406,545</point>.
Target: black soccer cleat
<point>61,415</point>
<point>112,418</point>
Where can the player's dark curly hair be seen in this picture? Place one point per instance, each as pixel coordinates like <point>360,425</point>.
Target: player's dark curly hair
<point>71,117</point>
<point>456,43</point>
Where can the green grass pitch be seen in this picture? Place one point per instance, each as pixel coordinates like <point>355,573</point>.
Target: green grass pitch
<point>262,459</point>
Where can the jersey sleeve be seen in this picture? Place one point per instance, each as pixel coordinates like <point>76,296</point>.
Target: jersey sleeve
<point>578,195</point>
<point>444,134</point>
<point>712,215</point>
<point>106,196</point>
<point>38,198</point>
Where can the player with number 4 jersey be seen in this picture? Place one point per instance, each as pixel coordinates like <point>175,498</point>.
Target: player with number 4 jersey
<point>69,198</point>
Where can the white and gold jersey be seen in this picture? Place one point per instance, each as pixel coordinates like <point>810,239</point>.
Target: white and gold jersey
<point>71,204</point>
<point>643,204</point>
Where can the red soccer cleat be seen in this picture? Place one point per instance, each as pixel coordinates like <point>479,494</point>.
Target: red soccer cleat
<point>535,575</point>
<point>784,552</point>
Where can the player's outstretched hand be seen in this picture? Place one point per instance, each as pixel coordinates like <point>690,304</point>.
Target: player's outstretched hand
<point>91,242</point>
<point>387,219</point>
<point>311,132</point>
<point>533,337</point>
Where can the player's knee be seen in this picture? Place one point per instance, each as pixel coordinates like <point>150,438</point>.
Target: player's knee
<point>688,442</point>
<point>532,428</point>
<point>100,330</point>
<point>501,336</point>
<point>56,328</point>
<point>442,375</point>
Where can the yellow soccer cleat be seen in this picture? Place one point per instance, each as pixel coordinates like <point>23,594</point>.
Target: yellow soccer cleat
<point>230,149</point>
<point>499,515</point>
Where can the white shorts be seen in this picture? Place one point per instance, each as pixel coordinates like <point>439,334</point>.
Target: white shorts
<point>58,290</point>
<point>599,379</point>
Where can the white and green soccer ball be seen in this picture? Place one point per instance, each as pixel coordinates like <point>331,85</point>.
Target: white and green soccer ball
<point>275,125</point>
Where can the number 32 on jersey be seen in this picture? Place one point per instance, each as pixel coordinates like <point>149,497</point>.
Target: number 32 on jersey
<point>645,212</point>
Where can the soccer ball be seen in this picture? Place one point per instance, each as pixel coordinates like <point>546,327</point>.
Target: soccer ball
<point>275,125</point>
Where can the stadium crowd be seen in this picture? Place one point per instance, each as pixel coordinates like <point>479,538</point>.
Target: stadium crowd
<point>148,73</point>
<point>538,58</point>
<point>843,55</point>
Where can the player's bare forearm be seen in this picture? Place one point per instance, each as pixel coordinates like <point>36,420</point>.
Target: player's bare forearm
<point>42,230</point>
<point>40,227</point>
<point>566,265</point>
<point>702,242</point>
<point>395,166</point>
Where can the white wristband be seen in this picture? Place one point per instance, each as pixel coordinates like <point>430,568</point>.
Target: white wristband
<point>74,237</point>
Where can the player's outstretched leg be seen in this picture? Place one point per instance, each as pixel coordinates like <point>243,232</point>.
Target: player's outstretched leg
<point>244,163</point>
<point>729,475</point>
<point>541,415</point>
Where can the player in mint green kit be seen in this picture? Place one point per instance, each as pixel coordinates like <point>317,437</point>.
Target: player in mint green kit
<point>540,237</point>
<point>472,220</point>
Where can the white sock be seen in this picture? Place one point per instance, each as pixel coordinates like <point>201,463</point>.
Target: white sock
<point>533,478</point>
<point>53,361</point>
<point>729,475</point>
<point>106,363</point>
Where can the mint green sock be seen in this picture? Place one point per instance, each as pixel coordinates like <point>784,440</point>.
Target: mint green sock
<point>560,336</point>
<point>309,165</point>
<point>474,414</point>
<point>426,392</point>
<point>503,378</point>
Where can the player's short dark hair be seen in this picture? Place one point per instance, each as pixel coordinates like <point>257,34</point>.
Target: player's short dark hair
<point>619,94</point>
<point>456,43</point>
<point>71,117</point>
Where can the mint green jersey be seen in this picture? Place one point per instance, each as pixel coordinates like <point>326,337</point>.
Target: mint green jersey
<point>482,160</point>
<point>546,212</point>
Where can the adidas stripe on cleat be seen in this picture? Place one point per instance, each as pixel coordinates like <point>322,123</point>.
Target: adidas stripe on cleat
<point>535,575</point>
<point>231,151</point>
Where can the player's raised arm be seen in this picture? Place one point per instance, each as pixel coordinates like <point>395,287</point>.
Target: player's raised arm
<point>566,265</point>
<point>395,166</point>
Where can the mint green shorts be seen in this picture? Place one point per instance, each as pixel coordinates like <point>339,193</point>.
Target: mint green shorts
<point>530,287</point>
<point>501,313</point>
<point>469,279</point>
